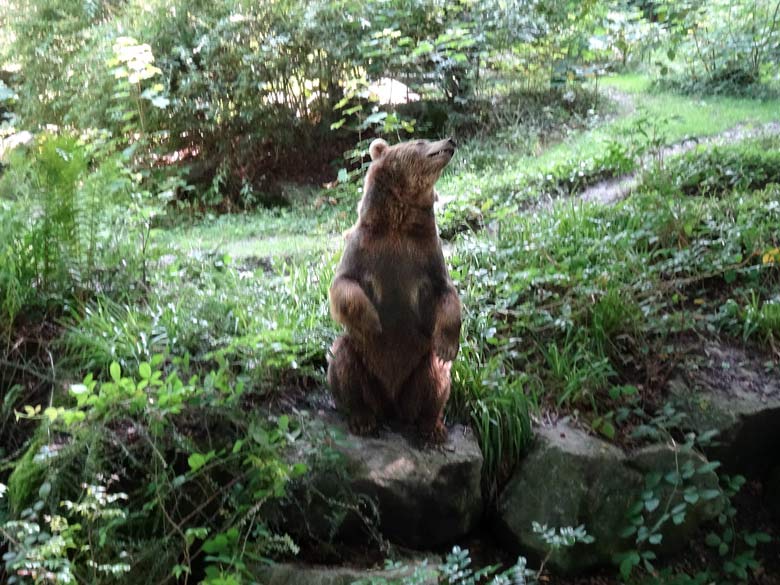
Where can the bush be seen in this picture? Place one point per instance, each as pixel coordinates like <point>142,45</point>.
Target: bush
<point>723,47</point>
<point>69,211</point>
<point>138,474</point>
<point>247,93</point>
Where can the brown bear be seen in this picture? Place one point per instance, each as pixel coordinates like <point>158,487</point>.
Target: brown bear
<point>393,294</point>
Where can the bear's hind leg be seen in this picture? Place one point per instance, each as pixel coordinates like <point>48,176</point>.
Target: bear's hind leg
<point>357,393</point>
<point>423,396</point>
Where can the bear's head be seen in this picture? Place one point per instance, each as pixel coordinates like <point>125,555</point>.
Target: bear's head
<point>407,171</point>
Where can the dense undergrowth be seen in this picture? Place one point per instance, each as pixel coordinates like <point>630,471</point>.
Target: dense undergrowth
<point>162,359</point>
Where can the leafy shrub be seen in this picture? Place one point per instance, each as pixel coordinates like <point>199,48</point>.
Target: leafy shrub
<point>247,93</point>
<point>722,47</point>
<point>142,474</point>
<point>107,332</point>
<point>668,497</point>
<point>572,298</point>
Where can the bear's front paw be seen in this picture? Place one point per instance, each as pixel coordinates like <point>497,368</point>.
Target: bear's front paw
<point>444,348</point>
<point>372,323</point>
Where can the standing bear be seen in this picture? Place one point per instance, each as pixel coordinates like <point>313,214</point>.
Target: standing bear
<point>393,294</point>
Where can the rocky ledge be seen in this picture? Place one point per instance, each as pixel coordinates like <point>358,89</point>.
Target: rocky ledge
<point>418,496</point>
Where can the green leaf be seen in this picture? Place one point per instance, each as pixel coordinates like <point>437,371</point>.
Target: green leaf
<point>145,371</point>
<point>762,537</point>
<point>652,504</point>
<point>652,479</point>
<point>196,461</point>
<point>116,372</point>
<point>283,423</point>
<point>607,429</point>
<point>710,494</point>
<point>712,540</point>
<point>673,478</point>
<point>628,563</point>
<point>422,48</point>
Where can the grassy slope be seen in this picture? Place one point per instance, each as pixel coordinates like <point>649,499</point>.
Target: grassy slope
<point>489,166</point>
<point>496,177</point>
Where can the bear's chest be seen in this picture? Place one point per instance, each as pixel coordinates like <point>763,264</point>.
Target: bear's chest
<point>400,284</point>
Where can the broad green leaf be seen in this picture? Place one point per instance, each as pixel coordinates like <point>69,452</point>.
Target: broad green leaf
<point>116,372</point>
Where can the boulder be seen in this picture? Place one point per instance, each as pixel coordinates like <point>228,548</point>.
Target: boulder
<point>666,459</point>
<point>300,574</point>
<point>730,392</point>
<point>569,478</point>
<point>419,496</point>
<point>426,496</point>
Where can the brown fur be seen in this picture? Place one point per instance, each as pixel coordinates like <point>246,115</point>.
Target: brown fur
<point>395,298</point>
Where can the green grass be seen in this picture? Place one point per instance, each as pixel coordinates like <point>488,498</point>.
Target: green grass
<point>260,234</point>
<point>693,115</point>
<point>491,178</point>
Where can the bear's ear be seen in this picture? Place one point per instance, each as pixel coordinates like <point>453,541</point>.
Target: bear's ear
<point>378,148</point>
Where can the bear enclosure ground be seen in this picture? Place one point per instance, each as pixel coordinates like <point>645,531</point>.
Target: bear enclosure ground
<point>580,308</point>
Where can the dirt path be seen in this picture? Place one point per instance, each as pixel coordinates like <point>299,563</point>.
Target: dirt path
<point>613,190</point>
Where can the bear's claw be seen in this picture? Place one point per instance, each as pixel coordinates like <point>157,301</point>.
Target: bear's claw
<point>362,425</point>
<point>438,434</point>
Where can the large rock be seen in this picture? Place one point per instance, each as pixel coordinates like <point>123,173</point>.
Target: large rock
<point>426,496</point>
<point>730,392</point>
<point>299,574</point>
<point>570,478</point>
<point>423,496</point>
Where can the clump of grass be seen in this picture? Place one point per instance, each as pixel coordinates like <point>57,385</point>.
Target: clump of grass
<point>107,332</point>
<point>583,298</point>
<point>744,166</point>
